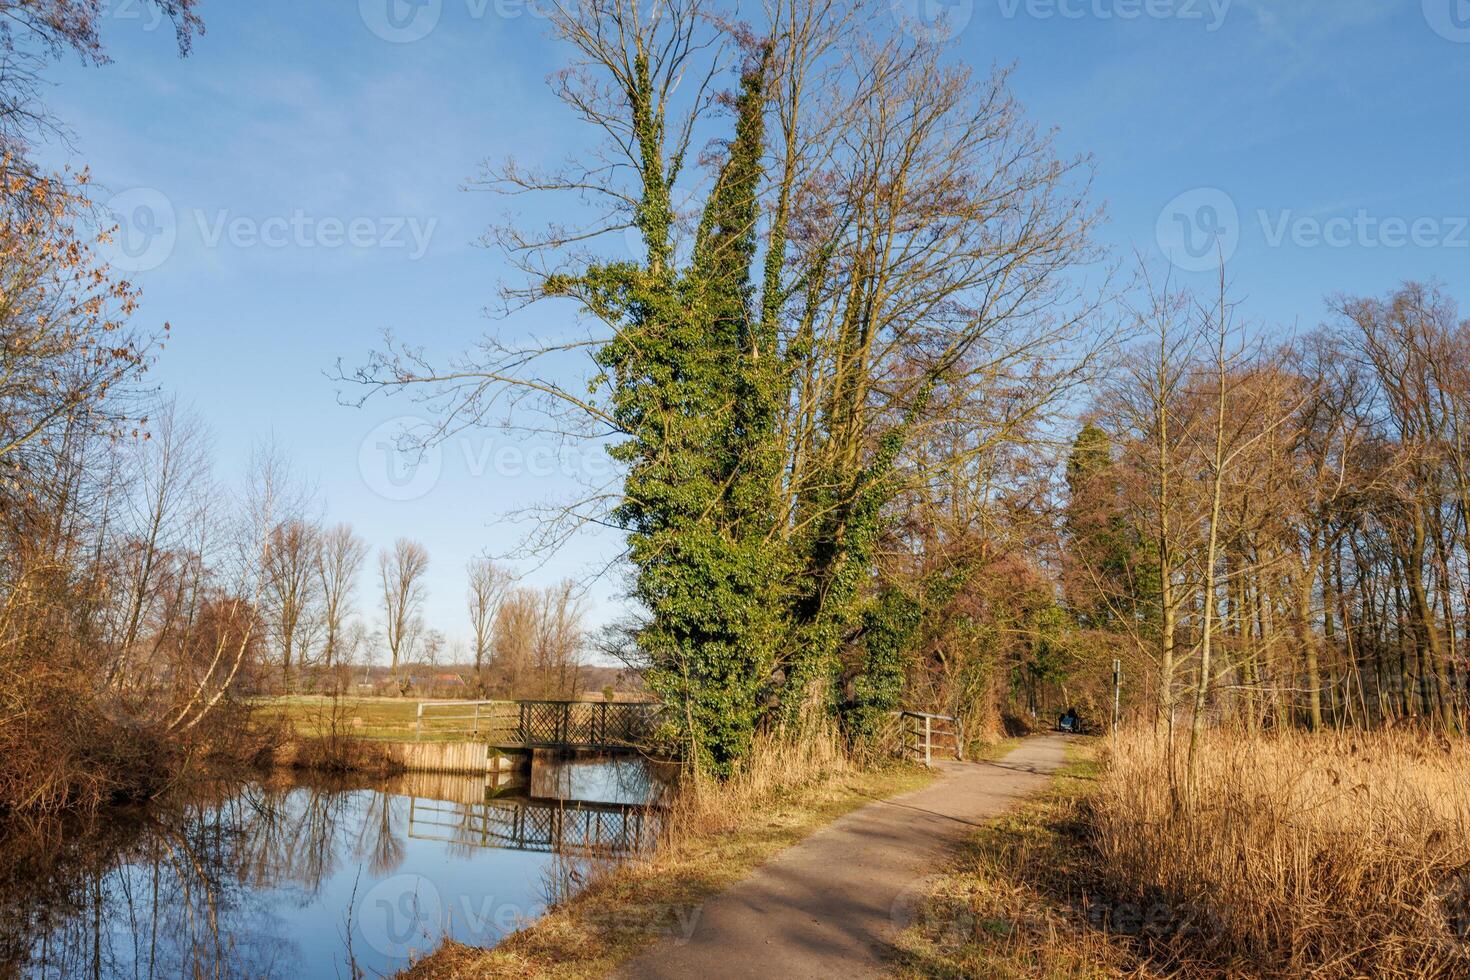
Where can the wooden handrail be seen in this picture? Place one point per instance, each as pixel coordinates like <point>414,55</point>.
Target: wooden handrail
<point>926,737</point>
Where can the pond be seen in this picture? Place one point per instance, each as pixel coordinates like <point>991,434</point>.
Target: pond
<point>314,879</point>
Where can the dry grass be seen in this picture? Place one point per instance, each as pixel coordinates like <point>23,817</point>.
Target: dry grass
<point>715,834</point>
<point>1011,905</point>
<point>1335,855</point>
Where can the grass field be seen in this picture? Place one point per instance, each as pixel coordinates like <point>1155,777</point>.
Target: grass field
<point>314,716</point>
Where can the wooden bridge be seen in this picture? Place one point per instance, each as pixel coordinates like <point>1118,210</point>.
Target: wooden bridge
<point>601,726</point>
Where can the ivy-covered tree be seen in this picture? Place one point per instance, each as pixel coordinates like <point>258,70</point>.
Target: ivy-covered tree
<point>875,254</point>
<point>694,395</point>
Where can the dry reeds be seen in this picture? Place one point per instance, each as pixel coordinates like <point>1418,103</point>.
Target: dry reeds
<point>1338,855</point>
<point>776,767</point>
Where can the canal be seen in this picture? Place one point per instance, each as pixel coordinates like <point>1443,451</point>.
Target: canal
<point>292,878</point>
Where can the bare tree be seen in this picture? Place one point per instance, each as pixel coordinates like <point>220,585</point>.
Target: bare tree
<point>560,637</point>
<point>163,512</point>
<point>340,557</point>
<point>488,584</point>
<point>514,633</point>
<point>401,574</point>
<point>292,591</point>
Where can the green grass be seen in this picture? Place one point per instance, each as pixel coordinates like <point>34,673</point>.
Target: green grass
<point>311,716</point>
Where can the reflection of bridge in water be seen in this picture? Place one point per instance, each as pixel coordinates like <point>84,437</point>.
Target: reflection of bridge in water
<point>526,824</point>
<point>496,811</point>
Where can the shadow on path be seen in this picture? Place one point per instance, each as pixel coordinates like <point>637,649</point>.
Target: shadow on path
<point>831,905</point>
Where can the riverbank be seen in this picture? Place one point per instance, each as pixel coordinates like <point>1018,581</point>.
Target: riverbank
<point>716,836</point>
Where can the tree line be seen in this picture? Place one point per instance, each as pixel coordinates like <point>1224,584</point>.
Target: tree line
<point>1281,527</point>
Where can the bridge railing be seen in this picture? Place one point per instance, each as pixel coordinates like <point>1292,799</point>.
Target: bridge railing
<point>540,724</point>
<point>923,737</point>
<point>587,723</point>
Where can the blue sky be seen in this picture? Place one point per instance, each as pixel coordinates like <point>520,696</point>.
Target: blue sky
<point>305,166</point>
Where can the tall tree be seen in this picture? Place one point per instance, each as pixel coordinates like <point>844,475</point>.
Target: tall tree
<point>292,562</point>
<point>488,585</point>
<point>340,556</point>
<point>401,576</point>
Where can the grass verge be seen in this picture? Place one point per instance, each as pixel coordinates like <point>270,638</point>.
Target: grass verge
<point>1330,855</point>
<point>993,751</point>
<point>1008,906</point>
<point>718,835</point>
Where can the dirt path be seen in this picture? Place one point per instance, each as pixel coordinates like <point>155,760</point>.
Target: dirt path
<point>830,906</point>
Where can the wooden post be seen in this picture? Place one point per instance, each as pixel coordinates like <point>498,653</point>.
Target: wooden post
<point>928,739</point>
<point>418,724</point>
<point>475,730</point>
<point>1117,685</point>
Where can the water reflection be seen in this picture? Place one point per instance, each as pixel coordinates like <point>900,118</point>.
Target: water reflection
<point>322,879</point>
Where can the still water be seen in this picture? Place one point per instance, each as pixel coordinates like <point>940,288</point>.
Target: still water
<point>320,879</point>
